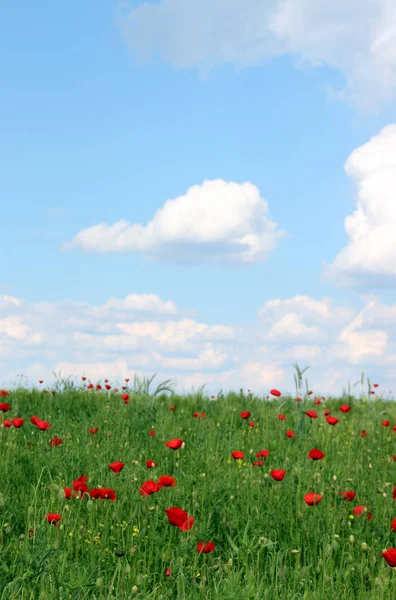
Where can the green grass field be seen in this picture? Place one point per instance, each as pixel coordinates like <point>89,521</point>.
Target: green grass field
<point>269,543</point>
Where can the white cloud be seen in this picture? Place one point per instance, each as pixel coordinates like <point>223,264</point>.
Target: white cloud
<point>208,359</point>
<point>301,319</point>
<point>6,302</point>
<point>219,221</point>
<point>357,37</point>
<point>96,370</point>
<point>291,326</point>
<point>174,333</point>
<point>117,340</point>
<point>140,303</point>
<point>370,254</point>
<point>362,345</point>
<point>13,328</point>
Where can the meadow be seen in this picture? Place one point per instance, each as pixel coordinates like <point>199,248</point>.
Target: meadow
<point>271,497</point>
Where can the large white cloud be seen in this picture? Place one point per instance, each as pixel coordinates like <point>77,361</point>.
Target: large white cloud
<point>370,254</point>
<point>144,335</point>
<point>301,319</point>
<point>358,37</point>
<point>219,221</point>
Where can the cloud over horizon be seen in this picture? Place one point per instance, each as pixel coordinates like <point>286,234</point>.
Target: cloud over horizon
<point>145,335</point>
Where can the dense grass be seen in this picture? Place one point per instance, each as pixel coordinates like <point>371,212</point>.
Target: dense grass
<point>269,543</point>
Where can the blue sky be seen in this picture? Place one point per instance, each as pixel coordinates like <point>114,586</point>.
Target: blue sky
<point>97,128</point>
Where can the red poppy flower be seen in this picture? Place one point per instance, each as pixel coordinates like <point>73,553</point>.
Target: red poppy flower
<point>103,494</point>
<point>167,481</point>
<point>275,393</point>
<point>42,425</point>
<point>205,548</point>
<point>125,397</point>
<point>394,524</point>
<point>394,493</point>
<point>394,427</point>
<point>263,453</point>
<point>332,420</point>
<point>385,423</point>
<point>4,393</point>
<point>4,407</point>
<point>252,424</point>
<point>18,422</point>
<point>310,392</point>
<point>298,399</point>
<point>93,430</point>
<point>53,518</point>
<point>348,496</point>
<point>312,498</point>
<point>237,455</point>
<point>95,493</point>
<point>199,415</point>
<point>361,509</point>
<point>150,464</point>
<point>258,463</point>
<point>168,573</point>
<point>56,441</point>
<point>116,466</point>
<point>317,401</point>
<point>90,386</point>
<point>312,414</point>
<point>7,423</point>
<point>41,381</point>
<point>246,414</point>
<point>172,407</point>
<point>327,413</point>
<point>108,494</point>
<point>83,378</point>
<point>80,485</point>
<point>375,385</point>
<point>277,474</point>
<point>179,518</point>
<point>290,433</point>
<point>149,487</point>
<point>315,454</point>
<point>345,408</point>
<point>152,432</point>
<point>68,493</point>
<point>98,387</point>
<point>126,379</point>
<point>107,386</point>
<point>282,417</point>
<point>363,433</point>
<point>174,444</point>
<point>390,556</point>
